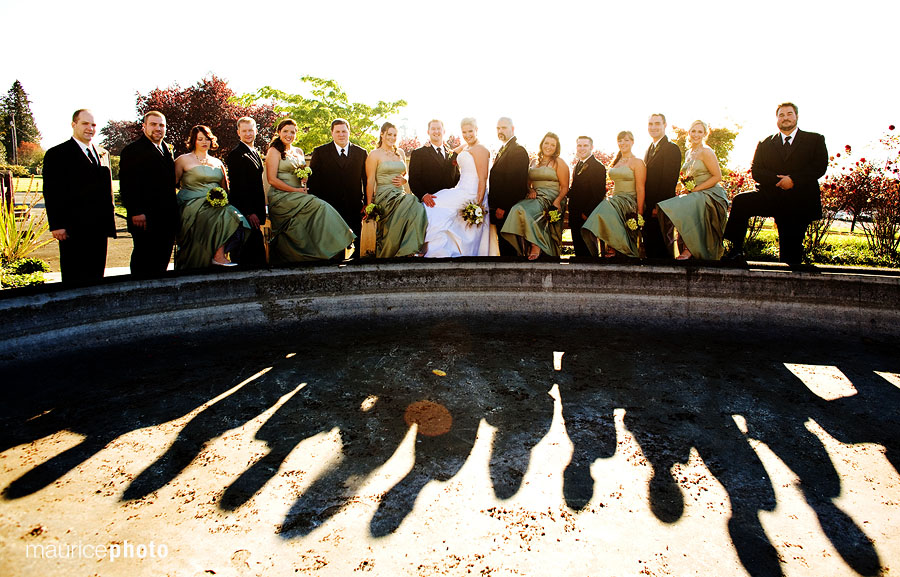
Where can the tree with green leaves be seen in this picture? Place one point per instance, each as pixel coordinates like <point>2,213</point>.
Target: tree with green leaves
<point>326,102</point>
<point>17,104</point>
<point>721,140</point>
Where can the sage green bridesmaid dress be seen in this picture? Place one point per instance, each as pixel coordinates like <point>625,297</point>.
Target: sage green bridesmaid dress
<point>204,228</point>
<point>607,222</point>
<point>699,216</point>
<point>528,220</point>
<point>304,227</point>
<point>401,229</point>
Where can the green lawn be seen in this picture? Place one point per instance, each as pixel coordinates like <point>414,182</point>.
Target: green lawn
<point>21,184</point>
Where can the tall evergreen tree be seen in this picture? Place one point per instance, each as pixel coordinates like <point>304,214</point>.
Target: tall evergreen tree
<point>16,102</point>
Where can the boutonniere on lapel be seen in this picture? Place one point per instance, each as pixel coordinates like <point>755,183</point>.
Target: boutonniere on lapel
<point>104,156</point>
<point>171,148</point>
<point>453,160</point>
<point>500,152</point>
<point>584,166</point>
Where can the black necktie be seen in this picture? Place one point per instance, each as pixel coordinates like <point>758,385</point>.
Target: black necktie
<point>343,154</point>
<point>439,152</point>
<point>94,160</point>
<point>787,142</point>
<point>578,166</point>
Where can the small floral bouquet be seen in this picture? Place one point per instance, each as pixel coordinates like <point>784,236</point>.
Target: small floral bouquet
<point>217,197</point>
<point>687,181</point>
<point>374,211</point>
<point>634,222</point>
<point>303,172</point>
<point>553,215</point>
<point>473,214</point>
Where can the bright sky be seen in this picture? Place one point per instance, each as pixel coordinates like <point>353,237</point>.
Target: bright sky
<point>565,66</point>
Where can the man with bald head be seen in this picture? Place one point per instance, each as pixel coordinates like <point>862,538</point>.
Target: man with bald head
<point>79,202</point>
<point>508,180</point>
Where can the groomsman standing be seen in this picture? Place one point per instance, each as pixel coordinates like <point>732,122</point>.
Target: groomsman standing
<point>787,167</point>
<point>79,202</point>
<point>663,160</point>
<point>245,177</point>
<point>508,181</point>
<point>587,191</point>
<point>147,187</point>
<point>431,167</point>
<point>339,176</point>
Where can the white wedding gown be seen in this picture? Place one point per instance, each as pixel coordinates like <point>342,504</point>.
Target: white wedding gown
<point>447,234</point>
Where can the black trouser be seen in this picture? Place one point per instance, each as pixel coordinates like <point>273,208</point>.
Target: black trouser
<point>253,252</point>
<point>82,259</point>
<point>151,253</point>
<point>791,228</point>
<point>506,247</point>
<point>658,234</point>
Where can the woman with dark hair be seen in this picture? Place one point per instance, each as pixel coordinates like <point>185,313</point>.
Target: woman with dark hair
<point>401,220</point>
<point>701,209</point>
<point>210,227</point>
<point>610,220</point>
<point>534,225</point>
<point>304,227</point>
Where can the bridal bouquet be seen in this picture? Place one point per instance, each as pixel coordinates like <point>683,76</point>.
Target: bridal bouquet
<point>374,211</point>
<point>687,181</point>
<point>217,197</point>
<point>303,172</point>
<point>473,214</point>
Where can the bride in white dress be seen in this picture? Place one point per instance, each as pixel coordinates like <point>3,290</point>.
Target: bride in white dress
<point>448,235</point>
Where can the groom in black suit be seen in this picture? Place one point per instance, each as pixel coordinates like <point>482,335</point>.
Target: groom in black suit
<point>147,187</point>
<point>79,202</point>
<point>339,176</point>
<point>432,166</point>
<point>508,181</point>
<point>587,191</point>
<point>663,160</point>
<point>787,167</point>
<point>245,175</point>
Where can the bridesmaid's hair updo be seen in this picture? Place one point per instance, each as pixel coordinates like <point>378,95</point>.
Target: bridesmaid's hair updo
<point>554,156</point>
<point>705,129</point>
<point>276,143</point>
<point>384,128</point>
<point>207,132</point>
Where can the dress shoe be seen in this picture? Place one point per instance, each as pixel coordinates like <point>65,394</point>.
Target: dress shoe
<point>226,263</point>
<point>734,255</point>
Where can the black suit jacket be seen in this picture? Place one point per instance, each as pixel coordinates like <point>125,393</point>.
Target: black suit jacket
<point>805,162</point>
<point>147,185</point>
<point>509,177</point>
<point>662,173</point>
<point>343,186</point>
<point>77,193</point>
<point>430,172</point>
<point>245,179</point>
<point>588,189</point>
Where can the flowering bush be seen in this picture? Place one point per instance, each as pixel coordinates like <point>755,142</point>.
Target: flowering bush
<point>735,182</point>
<point>870,192</point>
<point>407,145</point>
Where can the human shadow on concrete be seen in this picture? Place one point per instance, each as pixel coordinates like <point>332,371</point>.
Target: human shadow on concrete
<point>430,376</point>
<point>676,401</point>
<point>103,394</point>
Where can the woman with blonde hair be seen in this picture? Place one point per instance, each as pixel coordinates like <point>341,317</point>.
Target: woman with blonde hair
<point>700,210</point>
